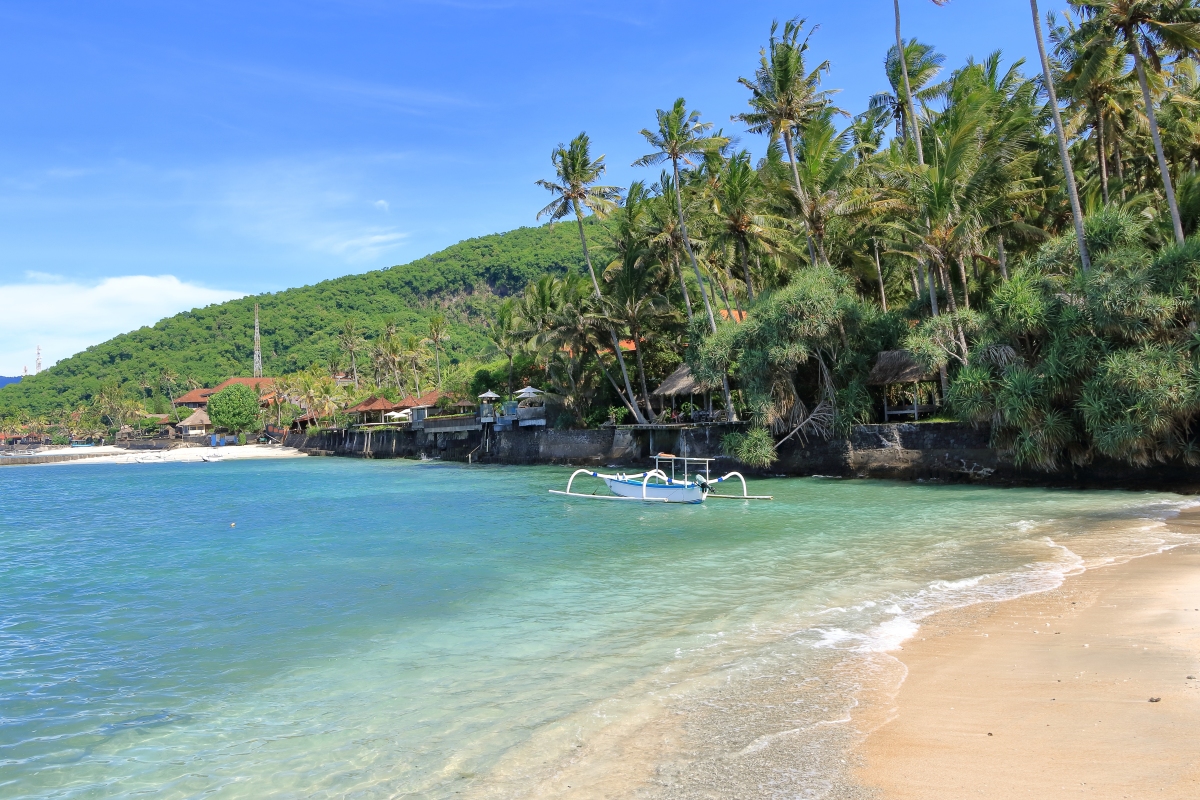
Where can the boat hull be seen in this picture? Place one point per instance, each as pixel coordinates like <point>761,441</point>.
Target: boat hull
<point>670,493</point>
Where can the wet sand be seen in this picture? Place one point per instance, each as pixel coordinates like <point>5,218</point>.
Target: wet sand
<point>1049,695</point>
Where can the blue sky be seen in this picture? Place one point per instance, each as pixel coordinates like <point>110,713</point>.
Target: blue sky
<point>158,156</point>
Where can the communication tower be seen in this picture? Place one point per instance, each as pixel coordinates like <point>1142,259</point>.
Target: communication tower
<point>37,365</point>
<point>257,346</point>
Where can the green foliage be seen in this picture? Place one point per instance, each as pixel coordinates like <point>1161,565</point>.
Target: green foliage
<point>755,447</point>
<point>300,326</point>
<point>234,408</point>
<point>1071,366</point>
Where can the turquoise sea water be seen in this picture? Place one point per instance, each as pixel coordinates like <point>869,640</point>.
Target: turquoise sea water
<point>399,629</point>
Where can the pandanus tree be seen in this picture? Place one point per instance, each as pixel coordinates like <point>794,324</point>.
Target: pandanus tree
<point>681,136</point>
<point>1149,31</point>
<point>575,190</point>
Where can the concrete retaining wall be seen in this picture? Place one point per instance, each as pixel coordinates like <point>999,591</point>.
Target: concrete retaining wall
<point>941,451</point>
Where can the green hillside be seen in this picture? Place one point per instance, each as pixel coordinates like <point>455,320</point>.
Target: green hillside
<point>299,326</point>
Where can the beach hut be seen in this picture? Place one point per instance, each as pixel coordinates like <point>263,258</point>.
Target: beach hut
<point>681,383</point>
<point>899,367</point>
<point>198,424</point>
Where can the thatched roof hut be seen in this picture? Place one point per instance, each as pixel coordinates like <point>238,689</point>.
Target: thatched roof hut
<point>679,383</point>
<point>898,366</point>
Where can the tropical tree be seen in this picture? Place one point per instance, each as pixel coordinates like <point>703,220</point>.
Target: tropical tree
<point>438,332</point>
<point>351,342</point>
<point>1064,152</point>
<point>681,136</point>
<point>923,64</point>
<point>915,132</point>
<point>1149,30</point>
<point>575,190</point>
<point>785,92</point>
<point>740,215</point>
<point>506,336</point>
<point>234,408</point>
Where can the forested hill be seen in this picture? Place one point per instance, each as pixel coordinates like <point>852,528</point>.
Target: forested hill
<point>300,326</point>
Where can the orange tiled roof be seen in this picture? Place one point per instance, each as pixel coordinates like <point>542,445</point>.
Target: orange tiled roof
<point>425,400</point>
<point>260,385</point>
<point>372,404</point>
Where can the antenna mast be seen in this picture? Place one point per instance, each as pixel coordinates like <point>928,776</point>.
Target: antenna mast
<point>37,365</point>
<point>257,346</point>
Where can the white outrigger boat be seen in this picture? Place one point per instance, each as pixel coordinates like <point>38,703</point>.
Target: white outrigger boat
<point>656,486</point>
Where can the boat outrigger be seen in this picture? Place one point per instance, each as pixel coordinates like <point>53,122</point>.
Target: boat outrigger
<point>656,486</point>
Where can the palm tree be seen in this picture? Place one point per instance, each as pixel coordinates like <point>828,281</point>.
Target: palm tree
<point>680,137</point>
<point>438,333</point>
<point>351,342</point>
<point>169,380</point>
<point>412,348</point>
<point>1098,85</point>
<point>828,171</point>
<point>663,235</point>
<point>576,190</point>
<point>505,336</point>
<point>1064,152</point>
<point>740,216</point>
<point>784,92</point>
<point>923,64</point>
<point>908,95</point>
<point>634,303</point>
<point>1158,28</point>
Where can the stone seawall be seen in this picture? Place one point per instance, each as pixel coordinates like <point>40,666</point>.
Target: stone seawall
<point>936,451</point>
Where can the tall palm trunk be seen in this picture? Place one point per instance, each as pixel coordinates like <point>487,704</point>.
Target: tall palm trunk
<point>746,270</point>
<point>1102,156</point>
<point>687,300</point>
<point>911,122</point>
<point>438,360</point>
<point>1063,152</point>
<point>637,350</point>
<point>787,143</point>
<point>637,414</point>
<point>1151,117</point>
<point>962,275</point>
<point>879,275</point>
<point>1003,260</point>
<point>687,244</point>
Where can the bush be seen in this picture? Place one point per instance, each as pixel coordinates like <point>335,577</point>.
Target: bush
<point>234,408</point>
<point>60,439</point>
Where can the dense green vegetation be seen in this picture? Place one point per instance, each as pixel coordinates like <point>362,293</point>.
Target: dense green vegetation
<point>1024,237</point>
<point>301,326</point>
<point>234,408</point>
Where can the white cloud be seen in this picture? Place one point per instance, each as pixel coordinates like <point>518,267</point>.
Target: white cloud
<point>382,205</point>
<point>65,316</point>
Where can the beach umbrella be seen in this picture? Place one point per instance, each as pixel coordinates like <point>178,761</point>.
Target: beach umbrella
<point>489,395</point>
<point>528,392</point>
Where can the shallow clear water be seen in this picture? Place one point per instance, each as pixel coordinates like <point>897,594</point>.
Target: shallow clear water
<point>400,629</point>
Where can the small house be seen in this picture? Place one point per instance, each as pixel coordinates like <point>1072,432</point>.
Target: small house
<point>198,424</point>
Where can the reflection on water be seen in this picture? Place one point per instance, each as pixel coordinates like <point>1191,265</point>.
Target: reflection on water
<point>384,629</point>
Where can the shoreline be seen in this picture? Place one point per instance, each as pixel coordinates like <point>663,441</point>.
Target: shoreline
<point>1049,694</point>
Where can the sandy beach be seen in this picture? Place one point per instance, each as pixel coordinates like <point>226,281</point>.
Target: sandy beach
<point>109,454</point>
<point>1091,689</point>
